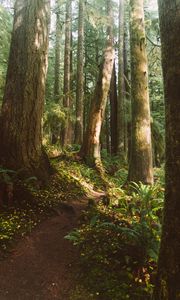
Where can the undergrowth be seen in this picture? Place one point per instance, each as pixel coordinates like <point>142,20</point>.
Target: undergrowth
<point>32,204</point>
<point>118,241</point>
<point>119,249</point>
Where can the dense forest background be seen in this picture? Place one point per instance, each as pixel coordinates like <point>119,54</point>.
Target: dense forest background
<point>95,23</point>
<point>89,110</point>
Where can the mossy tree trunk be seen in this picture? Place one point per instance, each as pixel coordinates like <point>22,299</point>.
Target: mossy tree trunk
<point>80,78</point>
<point>168,281</point>
<point>140,168</point>
<point>67,74</point>
<point>22,108</point>
<point>90,149</point>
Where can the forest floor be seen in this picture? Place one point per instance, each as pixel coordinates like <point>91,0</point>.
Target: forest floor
<point>81,237</point>
<point>37,261</point>
<point>43,264</point>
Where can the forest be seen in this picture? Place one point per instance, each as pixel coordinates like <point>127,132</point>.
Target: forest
<point>90,149</point>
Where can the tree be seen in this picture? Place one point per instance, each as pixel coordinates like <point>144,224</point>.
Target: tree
<point>22,109</point>
<point>57,54</point>
<point>140,168</point>
<point>113,112</point>
<point>169,259</point>
<point>67,73</point>
<point>127,86</point>
<point>5,38</point>
<point>80,77</point>
<point>90,149</point>
<point>121,116</point>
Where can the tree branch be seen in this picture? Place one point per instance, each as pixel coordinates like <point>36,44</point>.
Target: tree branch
<point>154,44</point>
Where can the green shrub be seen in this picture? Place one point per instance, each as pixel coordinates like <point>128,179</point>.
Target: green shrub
<point>119,245</point>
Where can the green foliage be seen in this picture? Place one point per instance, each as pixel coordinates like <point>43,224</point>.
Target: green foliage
<point>10,176</point>
<point>32,203</point>
<point>147,204</point>
<point>86,176</point>
<point>115,168</point>
<point>18,222</point>
<point>159,175</point>
<point>54,120</point>
<point>158,141</point>
<point>119,245</point>
<point>7,176</point>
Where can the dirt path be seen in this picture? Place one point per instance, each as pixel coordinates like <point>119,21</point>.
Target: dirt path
<point>42,264</point>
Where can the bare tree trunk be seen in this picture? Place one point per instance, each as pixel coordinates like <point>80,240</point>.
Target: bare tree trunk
<point>107,130</point>
<point>168,279</point>
<point>80,78</point>
<point>57,54</point>
<point>140,168</point>
<point>127,88</point>
<point>113,112</point>
<point>121,116</point>
<point>22,109</point>
<point>67,73</point>
<point>90,149</point>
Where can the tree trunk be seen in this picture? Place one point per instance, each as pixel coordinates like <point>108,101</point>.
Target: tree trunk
<point>90,149</point>
<point>57,54</point>
<point>22,109</point>
<point>80,78</point>
<point>107,130</point>
<point>121,116</point>
<point>168,281</point>
<point>140,168</point>
<point>67,74</point>
<point>127,88</point>
<point>113,112</point>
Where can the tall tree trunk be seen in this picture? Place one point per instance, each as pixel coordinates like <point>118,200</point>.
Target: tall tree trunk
<point>127,88</point>
<point>67,73</point>
<point>80,77</point>
<point>57,54</point>
<point>168,282</point>
<point>107,130</point>
<point>121,116</point>
<point>140,168</point>
<point>113,112</point>
<point>22,109</point>
<point>90,149</point>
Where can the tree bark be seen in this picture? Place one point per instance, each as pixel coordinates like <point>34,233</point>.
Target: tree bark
<point>168,280</point>
<point>121,111</point>
<point>113,112</point>
<point>67,74</point>
<point>107,130</point>
<point>57,54</point>
<point>80,78</point>
<point>22,109</point>
<point>140,168</point>
<point>127,88</point>
<point>90,149</point>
